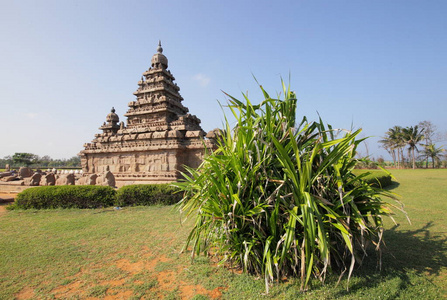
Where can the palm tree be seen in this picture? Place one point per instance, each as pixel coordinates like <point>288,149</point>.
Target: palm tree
<point>399,141</point>
<point>393,142</point>
<point>388,145</point>
<point>412,136</point>
<point>433,152</point>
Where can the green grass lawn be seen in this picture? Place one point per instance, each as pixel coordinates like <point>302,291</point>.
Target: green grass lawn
<point>134,253</point>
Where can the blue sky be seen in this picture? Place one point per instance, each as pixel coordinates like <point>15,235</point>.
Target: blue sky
<point>367,64</point>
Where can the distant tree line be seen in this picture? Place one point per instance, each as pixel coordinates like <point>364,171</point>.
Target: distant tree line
<point>22,159</point>
<point>414,146</point>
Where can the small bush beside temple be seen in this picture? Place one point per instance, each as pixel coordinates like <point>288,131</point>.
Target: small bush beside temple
<point>147,194</point>
<point>91,196</point>
<point>376,178</point>
<point>65,196</point>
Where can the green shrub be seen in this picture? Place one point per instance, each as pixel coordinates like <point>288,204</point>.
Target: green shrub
<point>65,196</point>
<point>147,194</point>
<point>279,197</point>
<point>378,180</point>
<point>375,178</point>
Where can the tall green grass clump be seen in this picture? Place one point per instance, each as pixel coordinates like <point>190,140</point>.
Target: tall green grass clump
<point>279,198</point>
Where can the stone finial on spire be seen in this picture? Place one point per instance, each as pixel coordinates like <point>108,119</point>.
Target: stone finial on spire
<point>158,59</point>
<point>159,48</point>
<point>113,109</point>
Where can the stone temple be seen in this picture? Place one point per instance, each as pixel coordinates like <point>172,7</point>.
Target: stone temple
<point>160,136</point>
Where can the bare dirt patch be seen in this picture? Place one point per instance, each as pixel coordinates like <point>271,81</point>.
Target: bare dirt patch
<point>2,208</point>
<point>217,292</point>
<point>66,291</point>
<point>129,267</point>
<point>139,266</point>
<point>6,197</point>
<point>5,200</point>
<point>119,295</point>
<point>166,280</point>
<point>113,282</point>
<point>26,293</point>
<point>189,291</point>
<point>169,281</point>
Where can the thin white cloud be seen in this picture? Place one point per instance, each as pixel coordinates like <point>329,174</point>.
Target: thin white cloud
<point>203,80</point>
<point>31,115</point>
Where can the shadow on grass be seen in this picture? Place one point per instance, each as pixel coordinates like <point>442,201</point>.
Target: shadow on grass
<point>392,186</point>
<point>407,259</point>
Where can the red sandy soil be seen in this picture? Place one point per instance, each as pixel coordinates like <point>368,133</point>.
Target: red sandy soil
<point>167,280</point>
<point>117,289</point>
<point>5,199</point>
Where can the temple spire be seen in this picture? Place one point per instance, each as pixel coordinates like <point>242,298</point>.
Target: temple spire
<point>159,48</point>
<point>160,137</point>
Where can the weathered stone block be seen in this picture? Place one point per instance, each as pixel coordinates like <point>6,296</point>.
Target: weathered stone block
<point>25,172</point>
<point>10,178</point>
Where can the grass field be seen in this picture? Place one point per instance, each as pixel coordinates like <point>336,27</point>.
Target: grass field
<point>134,253</point>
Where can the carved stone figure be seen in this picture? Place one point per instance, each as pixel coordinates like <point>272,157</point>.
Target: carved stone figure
<point>88,179</point>
<point>7,168</point>
<point>34,180</point>
<point>107,179</point>
<point>48,179</point>
<point>65,179</point>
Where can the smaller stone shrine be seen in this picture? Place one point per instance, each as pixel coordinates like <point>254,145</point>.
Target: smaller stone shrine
<point>160,136</point>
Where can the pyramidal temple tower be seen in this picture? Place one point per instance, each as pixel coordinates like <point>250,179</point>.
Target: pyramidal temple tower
<point>160,136</point>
